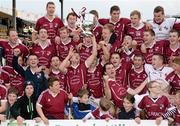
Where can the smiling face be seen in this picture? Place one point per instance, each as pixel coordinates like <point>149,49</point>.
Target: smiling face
<point>13,36</point>
<point>138,62</point>
<point>64,35</point>
<point>55,62</point>
<point>115,60</point>
<point>12,98</point>
<point>158,17</point>
<point>110,71</point>
<point>174,38</point>
<point>50,9</point>
<point>135,20</point>
<point>115,15</point>
<point>43,35</point>
<point>33,61</point>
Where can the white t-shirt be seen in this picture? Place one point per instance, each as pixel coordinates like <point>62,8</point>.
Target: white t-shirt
<point>159,74</point>
<point>162,30</point>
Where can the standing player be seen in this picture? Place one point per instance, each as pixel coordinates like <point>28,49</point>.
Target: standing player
<point>44,48</point>
<point>119,23</point>
<point>162,25</point>
<point>136,28</point>
<point>50,22</point>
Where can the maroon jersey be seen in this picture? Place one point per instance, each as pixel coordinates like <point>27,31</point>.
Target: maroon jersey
<point>94,82</point>
<point>75,78</point>
<point>9,51</point>
<point>121,75</point>
<point>174,81</point>
<point>61,77</point>
<point>127,56</point>
<point>98,115</point>
<point>118,92</point>
<point>53,106</point>
<point>136,78</point>
<point>63,49</point>
<point>157,47</point>
<point>170,52</point>
<point>97,32</point>
<point>52,27</point>
<point>85,52</point>
<point>3,92</point>
<point>136,33</point>
<point>119,26</point>
<point>154,108</point>
<point>16,80</point>
<point>44,54</point>
<point>4,77</point>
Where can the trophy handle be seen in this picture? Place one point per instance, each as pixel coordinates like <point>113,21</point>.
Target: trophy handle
<point>75,13</point>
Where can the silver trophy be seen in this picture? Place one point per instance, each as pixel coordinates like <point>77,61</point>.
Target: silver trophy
<point>87,22</point>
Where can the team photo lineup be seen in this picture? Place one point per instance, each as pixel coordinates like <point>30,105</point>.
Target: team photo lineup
<point>93,68</point>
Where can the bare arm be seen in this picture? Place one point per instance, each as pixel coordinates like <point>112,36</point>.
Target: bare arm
<point>91,58</point>
<point>41,114</point>
<point>106,87</point>
<point>138,89</point>
<point>64,63</point>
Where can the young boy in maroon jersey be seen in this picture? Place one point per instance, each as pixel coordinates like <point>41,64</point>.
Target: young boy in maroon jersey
<point>150,46</point>
<point>76,71</point>
<point>52,101</point>
<point>174,114</point>
<point>44,48</point>
<point>102,112</point>
<point>136,28</point>
<point>154,104</point>
<point>174,77</point>
<point>173,49</point>
<point>137,74</point>
<point>50,22</point>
